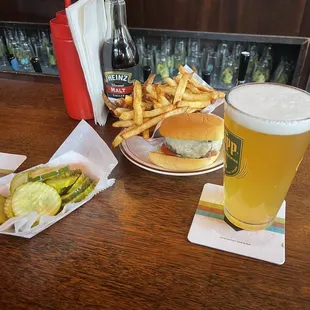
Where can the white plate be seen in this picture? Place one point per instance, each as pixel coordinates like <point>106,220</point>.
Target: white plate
<point>136,150</point>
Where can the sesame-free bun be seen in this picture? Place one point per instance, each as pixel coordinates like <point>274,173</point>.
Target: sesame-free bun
<point>193,126</point>
<point>181,164</point>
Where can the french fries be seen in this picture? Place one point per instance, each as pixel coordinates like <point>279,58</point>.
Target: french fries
<point>118,139</point>
<point>181,88</point>
<point>170,82</point>
<point>137,103</point>
<point>193,81</point>
<point>198,97</point>
<point>121,124</point>
<point>194,104</point>
<point>151,103</point>
<point>146,134</point>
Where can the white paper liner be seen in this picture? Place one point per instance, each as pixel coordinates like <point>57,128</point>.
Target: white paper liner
<point>10,162</point>
<point>83,149</point>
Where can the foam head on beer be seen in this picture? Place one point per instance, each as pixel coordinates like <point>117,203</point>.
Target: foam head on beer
<point>270,108</point>
<point>267,132</point>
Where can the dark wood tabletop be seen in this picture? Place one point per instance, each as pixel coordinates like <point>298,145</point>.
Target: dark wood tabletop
<point>127,248</point>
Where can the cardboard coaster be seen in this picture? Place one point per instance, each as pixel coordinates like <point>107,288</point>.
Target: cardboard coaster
<point>211,228</point>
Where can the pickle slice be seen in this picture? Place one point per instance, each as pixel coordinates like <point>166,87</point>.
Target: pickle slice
<point>19,179</point>
<point>35,196</point>
<point>8,207</point>
<point>77,183</point>
<point>42,174</point>
<point>74,193</point>
<point>3,217</point>
<point>62,183</point>
<point>84,194</point>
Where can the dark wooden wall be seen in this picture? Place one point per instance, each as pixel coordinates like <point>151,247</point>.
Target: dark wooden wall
<point>279,17</point>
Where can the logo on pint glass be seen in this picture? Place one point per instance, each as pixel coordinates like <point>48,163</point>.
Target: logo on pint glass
<point>233,153</point>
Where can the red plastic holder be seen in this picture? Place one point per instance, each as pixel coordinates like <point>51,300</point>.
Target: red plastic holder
<point>77,100</point>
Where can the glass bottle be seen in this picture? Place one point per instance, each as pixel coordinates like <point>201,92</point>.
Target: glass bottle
<point>261,73</point>
<point>227,72</point>
<point>120,65</point>
<point>243,65</point>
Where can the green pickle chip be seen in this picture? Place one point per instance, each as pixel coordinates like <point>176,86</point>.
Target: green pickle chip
<point>3,216</point>
<point>36,196</point>
<point>8,207</point>
<point>19,179</point>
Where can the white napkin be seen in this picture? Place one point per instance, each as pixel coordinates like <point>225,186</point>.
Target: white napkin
<point>88,25</point>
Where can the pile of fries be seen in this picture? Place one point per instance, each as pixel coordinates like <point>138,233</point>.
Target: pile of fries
<point>151,103</point>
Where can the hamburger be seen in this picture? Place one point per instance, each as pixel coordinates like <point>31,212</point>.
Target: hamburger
<point>192,142</point>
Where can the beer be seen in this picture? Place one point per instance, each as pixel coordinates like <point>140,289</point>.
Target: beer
<point>267,131</point>
<point>120,56</point>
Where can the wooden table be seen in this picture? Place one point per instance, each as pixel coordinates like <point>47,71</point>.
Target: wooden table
<point>127,248</point>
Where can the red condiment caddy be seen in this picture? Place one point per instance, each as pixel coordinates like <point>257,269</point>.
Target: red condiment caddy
<point>77,100</point>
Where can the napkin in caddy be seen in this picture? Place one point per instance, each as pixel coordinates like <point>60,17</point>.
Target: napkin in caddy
<point>84,149</point>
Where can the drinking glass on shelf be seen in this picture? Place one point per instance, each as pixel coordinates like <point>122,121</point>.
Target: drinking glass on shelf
<point>162,69</point>
<point>227,72</point>
<point>24,59</point>
<point>283,72</point>
<point>252,62</point>
<point>177,61</point>
<point>194,61</point>
<point>44,38</point>
<point>180,49</point>
<point>166,48</point>
<point>268,54</point>
<point>148,59</point>
<point>236,53</point>
<point>3,59</point>
<point>193,46</point>
<point>166,45</point>
<point>51,56</point>
<point>41,52</point>
<point>140,46</point>
<point>262,71</point>
<point>222,49</point>
<point>211,67</point>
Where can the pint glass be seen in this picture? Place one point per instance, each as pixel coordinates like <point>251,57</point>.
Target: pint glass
<point>267,131</point>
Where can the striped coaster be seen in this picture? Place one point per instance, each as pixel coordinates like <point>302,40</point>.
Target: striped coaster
<point>211,228</point>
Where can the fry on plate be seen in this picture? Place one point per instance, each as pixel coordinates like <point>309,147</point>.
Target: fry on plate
<point>193,81</point>
<point>118,139</point>
<point>158,111</point>
<point>120,124</point>
<point>198,97</point>
<point>146,134</point>
<point>137,103</point>
<point>194,104</point>
<point>181,88</point>
<point>170,81</point>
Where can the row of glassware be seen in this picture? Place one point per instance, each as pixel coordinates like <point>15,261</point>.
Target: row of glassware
<point>222,61</point>
<point>17,44</point>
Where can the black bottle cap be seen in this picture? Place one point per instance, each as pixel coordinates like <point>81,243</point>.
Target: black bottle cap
<point>206,76</point>
<point>36,64</point>
<point>244,61</point>
<point>146,72</point>
<point>11,57</point>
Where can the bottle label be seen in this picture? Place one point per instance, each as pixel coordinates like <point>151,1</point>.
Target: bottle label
<point>119,83</point>
<point>233,153</point>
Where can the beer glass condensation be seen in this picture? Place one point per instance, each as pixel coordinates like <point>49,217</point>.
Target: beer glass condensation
<point>267,132</point>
